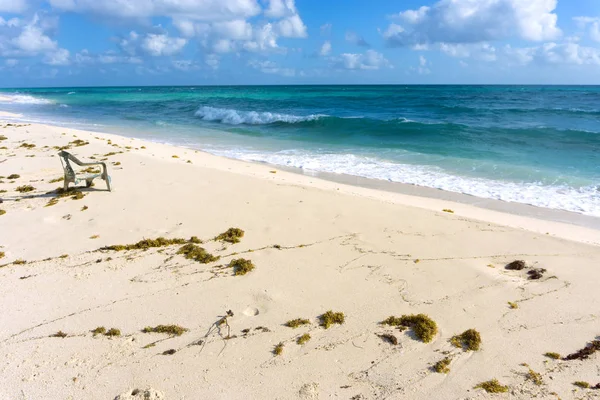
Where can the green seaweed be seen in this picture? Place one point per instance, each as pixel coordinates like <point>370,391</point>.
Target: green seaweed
<point>13,176</point>
<point>99,331</point>
<point>303,339</point>
<point>295,323</point>
<point>552,355</point>
<point>113,332</point>
<point>27,145</point>
<point>535,377</point>
<point>59,334</point>
<point>441,366</point>
<point>469,340</point>
<point>62,178</point>
<point>173,330</point>
<point>513,305</point>
<point>582,384</point>
<point>2,212</point>
<point>278,350</point>
<point>232,235</point>
<point>194,252</point>
<point>329,318</point>
<point>145,244</point>
<point>19,262</point>
<point>2,254</point>
<point>241,266</point>
<point>53,201</point>
<point>424,327</point>
<point>25,189</point>
<point>492,386</point>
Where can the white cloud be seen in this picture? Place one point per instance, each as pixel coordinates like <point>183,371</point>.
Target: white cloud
<point>162,45</point>
<point>594,26</point>
<point>212,60</point>
<point>292,27</point>
<point>479,51</point>
<point>184,65</point>
<point>32,39</point>
<point>13,6</point>
<point>354,38</point>
<point>270,67</point>
<point>325,29</point>
<point>370,60</point>
<point>423,69</point>
<point>59,57</point>
<point>204,10</point>
<point>473,21</point>
<point>11,62</point>
<point>280,8</point>
<point>235,29</point>
<point>325,48</point>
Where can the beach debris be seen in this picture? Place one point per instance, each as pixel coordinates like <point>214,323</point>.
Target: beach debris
<point>582,384</point>
<point>84,208</point>
<point>535,273</point>
<point>295,323</point>
<point>145,244</point>
<point>169,352</point>
<point>278,350</point>
<point>27,145</point>
<point>469,340</point>
<point>194,252</point>
<point>552,355</point>
<point>423,327</point>
<point>329,318</point>
<point>13,176</point>
<point>447,210</point>
<point>241,266</point>
<point>173,330</point>
<point>25,189</point>
<point>19,262</point>
<point>141,394</point>
<point>113,332</point>
<point>388,337</point>
<point>94,236</point>
<point>513,305</point>
<point>535,377</point>
<point>273,172</point>
<point>492,386</point>
<point>232,235</point>
<point>2,254</point>
<point>59,334</point>
<point>584,353</point>
<point>175,156</point>
<point>441,367</point>
<point>516,265</point>
<point>303,339</point>
<point>99,331</point>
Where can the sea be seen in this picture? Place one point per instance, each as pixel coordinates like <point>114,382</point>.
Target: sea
<point>538,145</point>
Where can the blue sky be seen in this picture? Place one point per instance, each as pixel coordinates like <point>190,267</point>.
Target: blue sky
<point>180,42</point>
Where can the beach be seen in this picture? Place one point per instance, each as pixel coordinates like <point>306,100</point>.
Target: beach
<point>316,246</point>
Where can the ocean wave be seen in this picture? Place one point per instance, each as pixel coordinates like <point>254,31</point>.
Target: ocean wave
<point>23,99</point>
<point>70,93</point>
<point>237,117</point>
<point>585,200</point>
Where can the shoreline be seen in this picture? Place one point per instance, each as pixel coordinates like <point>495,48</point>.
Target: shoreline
<point>517,215</point>
<point>99,308</point>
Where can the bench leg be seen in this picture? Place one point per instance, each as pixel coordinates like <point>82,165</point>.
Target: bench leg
<point>88,182</point>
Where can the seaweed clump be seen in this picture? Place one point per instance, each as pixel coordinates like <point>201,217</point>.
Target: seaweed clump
<point>330,318</point>
<point>59,334</point>
<point>388,337</point>
<point>584,353</point>
<point>535,273</point>
<point>552,355</point>
<point>79,143</point>
<point>492,386</point>
<point>241,266</point>
<point>278,350</point>
<point>196,253</point>
<point>145,244</point>
<point>516,265</point>
<point>27,145</point>
<point>441,367</point>
<point>2,212</point>
<point>25,189</point>
<point>303,339</point>
<point>232,235</point>
<point>468,340</point>
<point>535,377</point>
<point>582,384</point>
<point>113,332</point>
<point>13,176</point>
<point>99,331</point>
<point>174,330</point>
<point>424,327</point>
<point>294,323</point>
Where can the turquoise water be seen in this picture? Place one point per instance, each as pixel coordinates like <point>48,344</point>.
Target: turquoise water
<point>531,144</point>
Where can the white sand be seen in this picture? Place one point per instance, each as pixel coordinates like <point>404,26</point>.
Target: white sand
<point>365,253</point>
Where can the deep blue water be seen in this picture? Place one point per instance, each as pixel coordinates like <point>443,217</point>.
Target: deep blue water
<point>531,144</point>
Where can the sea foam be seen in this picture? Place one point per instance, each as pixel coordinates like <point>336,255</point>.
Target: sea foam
<point>237,117</point>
